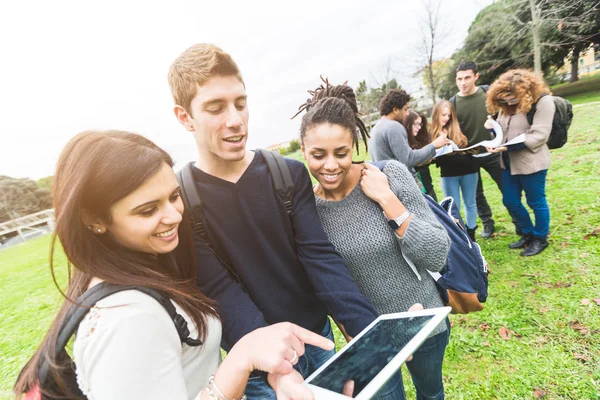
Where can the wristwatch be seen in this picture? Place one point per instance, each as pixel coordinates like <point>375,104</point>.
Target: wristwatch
<point>396,223</point>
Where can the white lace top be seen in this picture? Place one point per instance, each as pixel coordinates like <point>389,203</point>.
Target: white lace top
<point>128,348</point>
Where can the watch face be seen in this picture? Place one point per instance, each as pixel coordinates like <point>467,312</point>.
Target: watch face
<point>393,224</point>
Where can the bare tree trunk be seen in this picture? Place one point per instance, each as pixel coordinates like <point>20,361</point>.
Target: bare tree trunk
<point>431,41</point>
<point>575,64</point>
<point>535,32</point>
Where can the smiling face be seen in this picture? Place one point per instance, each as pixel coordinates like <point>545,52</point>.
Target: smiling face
<point>416,126</point>
<point>147,219</point>
<point>219,118</point>
<point>445,116</point>
<point>327,149</point>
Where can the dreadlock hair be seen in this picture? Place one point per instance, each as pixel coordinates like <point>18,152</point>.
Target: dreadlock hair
<point>335,105</point>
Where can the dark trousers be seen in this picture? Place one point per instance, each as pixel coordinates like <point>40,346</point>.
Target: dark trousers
<point>423,170</point>
<point>492,166</point>
<point>426,366</point>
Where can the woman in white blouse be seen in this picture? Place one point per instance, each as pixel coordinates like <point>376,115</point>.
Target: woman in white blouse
<point>120,219</point>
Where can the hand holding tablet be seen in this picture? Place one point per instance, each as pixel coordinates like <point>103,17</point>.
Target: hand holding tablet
<point>363,366</point>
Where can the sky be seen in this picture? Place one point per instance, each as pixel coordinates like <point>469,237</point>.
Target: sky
<point>69,66</point>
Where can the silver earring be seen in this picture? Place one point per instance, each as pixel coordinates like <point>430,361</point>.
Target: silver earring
<point>98,230</point>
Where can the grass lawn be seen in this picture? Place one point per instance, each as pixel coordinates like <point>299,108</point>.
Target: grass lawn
<point>583,98</point>
<point>546,302</point>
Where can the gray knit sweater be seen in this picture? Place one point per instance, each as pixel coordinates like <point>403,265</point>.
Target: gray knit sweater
<point>375,255</point>
<point>389,141</point>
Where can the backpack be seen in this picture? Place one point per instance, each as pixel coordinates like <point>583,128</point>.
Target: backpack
<point>462,283</point>
<point>282,184</point>
<point>75,315</point>
<point>563,116</point>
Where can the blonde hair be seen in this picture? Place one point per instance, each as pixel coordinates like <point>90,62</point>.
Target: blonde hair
<point>194,67</point>
<point>452,126</point>
<point>526,86</point>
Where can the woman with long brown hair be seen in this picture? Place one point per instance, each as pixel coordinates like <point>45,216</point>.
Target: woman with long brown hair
<point>524,165</point>
<point>419,137</point>
<point>120,220</point>
<point>459,172</point>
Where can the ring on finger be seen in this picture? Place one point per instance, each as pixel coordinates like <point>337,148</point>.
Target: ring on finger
<point>295,358</point>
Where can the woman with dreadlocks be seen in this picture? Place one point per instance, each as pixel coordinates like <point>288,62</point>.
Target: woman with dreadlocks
<point>388,253</point>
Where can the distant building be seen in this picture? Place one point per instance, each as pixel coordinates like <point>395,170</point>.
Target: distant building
<point>420,98</point>
<point>589,63</point>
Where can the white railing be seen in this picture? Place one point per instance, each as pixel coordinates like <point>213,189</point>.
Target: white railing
<point>27,225</point>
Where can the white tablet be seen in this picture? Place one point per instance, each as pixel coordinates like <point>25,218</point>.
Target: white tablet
<point>374,355</point>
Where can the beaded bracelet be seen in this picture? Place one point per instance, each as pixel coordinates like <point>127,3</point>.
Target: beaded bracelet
<point>211,382</point>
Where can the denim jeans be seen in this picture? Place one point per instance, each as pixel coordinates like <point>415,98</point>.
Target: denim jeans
<point>426,366</point>
<point>534,186</point>
<point>393,389</point>
<point>467,184</point>
<point>313,358</point>
<point>491,164</point>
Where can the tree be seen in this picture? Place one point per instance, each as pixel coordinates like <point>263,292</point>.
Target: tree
<point>19,197</point>
<point>579,27</point>
<point>433,31</point>
<point>540,33</point>
<point>45,182</point>
<point>441,69</point>
<point>369,98</point>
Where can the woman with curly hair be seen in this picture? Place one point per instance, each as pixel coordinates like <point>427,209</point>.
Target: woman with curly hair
<point>525,165</point>
<point>419,137</point>
<point>459,172</point>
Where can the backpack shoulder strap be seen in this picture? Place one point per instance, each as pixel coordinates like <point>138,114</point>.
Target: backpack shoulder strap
<point>485,88</point>
<point>193,202</point>
<point>87,300</point>
<point>282,178</point>
<point>533,109</point>
<point>191,196</point>
<point>453,101</point>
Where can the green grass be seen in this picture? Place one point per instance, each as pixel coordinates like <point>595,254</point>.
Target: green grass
<point>539,299</point>
<point>590,83</point>
<point>29,300</point>
<point>583,98</point>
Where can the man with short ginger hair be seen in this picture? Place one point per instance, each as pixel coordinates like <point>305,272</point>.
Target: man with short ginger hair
<point>289,269</point>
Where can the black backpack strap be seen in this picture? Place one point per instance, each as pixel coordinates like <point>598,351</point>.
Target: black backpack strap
<point>533,109</point>
<point>453,101</point>
<point>193,203</point>
<point>87,300</point>
<point>485,88</point>
<point>282,178</point>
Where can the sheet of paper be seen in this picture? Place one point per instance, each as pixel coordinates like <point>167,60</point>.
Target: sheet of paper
<point>495,142</point>
<point>447,149</point>
<point>516,140</point>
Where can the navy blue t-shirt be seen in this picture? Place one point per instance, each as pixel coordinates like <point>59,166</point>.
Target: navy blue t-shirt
<point>290,274</point>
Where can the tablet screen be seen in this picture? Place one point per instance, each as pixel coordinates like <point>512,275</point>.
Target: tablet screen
<point>362,361</point>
